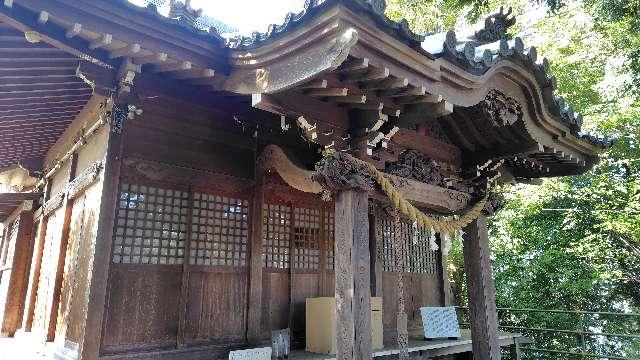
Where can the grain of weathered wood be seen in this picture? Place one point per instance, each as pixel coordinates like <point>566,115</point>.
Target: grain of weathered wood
<point>352,289</point>
<point>92,337</point>
<point>62,252</point>
<point>184,283</point>
<point>481,291</point>
<point>399,254</point>
<point>15,276</point>
<point>375,247</point>
<point>362,282</point>
<point>254,323</point>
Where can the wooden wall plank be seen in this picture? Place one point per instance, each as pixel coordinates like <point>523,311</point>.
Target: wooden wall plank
<point>142,307</point>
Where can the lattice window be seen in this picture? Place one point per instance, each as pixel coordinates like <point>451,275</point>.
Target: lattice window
<point>418,257</point>
<point>307,227</point>
<point>219,231</point>
<point>276,235</point>
<point>330,239</point>
<point>151,225</point>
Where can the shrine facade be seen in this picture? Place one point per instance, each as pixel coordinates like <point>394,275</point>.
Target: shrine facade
<point>175,194</point>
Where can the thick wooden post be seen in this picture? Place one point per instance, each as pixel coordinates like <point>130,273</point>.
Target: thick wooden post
<point>375,249</point>
<point>89,348</point>
<point>254,324</point>
<point>399,252</point>
<point>16,273</point>
<point>352,269</point>
<point>350,180</point>
<point>184,282</point>
<point>62,252</point>
<point>36,261</point>
<point>482,298</point>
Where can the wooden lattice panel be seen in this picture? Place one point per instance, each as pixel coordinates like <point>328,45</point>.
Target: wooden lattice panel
<point>419,258</point>
<point>307,227</point>
<point>276,236</point>
<point>151,225</point>
<point>219,231</point>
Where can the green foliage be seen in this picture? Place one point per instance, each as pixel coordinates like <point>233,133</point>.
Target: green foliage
<point>586,255</point>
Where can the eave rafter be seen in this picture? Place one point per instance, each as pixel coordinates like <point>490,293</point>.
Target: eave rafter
<point>86,30</point>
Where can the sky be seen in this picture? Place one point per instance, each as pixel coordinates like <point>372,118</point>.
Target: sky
<point>245,15</point>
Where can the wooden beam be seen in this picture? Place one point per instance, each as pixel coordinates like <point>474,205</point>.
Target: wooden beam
<point>388,84</point>
<point>151,59</point>
<point>62,38</point>
<point>352,280</point>
<point>354,65</point>
<point>194,73</point>
<point>128,50</point>
<point>483,315</point>
<point>176,66</point>
<point>371,74</point>
<point>418,99</point>
<point>102,41</point>
<point>73,30</point>
<point>350,99</point>
<point>410,90</point>
<point>328,92</point>
<point>313,84</point>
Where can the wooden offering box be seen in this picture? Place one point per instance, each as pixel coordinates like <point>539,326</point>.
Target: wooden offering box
<point>321,324</point>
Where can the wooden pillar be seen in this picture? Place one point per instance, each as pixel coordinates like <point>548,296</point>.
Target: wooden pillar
<point>16,272</point>
<point>62,252</point>
<point>399,252</point>
<point>254,323</point>
<point>36,262</point>
<point>481,291</point>
<point>352,269</point>
<point>375,249</point>
<point>184,281</point>
<point>89,348</point>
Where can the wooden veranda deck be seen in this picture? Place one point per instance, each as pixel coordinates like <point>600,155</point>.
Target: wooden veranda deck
<point>431,348</point>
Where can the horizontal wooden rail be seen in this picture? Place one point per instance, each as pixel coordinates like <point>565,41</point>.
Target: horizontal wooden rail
<point>582,355</point>
<point>580,333</point>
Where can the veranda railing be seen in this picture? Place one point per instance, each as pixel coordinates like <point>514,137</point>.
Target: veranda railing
<point>586,341</point>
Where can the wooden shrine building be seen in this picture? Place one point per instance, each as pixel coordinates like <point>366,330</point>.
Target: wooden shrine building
<point>170,194</point>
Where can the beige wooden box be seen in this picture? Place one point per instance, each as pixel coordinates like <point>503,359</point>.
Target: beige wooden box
<point>321,324</point>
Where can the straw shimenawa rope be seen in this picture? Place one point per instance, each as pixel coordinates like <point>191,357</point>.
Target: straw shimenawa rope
<point>445,226</point>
